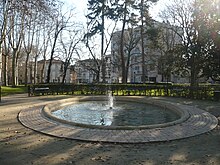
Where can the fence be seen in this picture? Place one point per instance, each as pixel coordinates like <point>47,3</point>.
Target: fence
<point>211,92</point>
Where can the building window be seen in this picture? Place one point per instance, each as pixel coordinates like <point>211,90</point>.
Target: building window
<point>136,68</point>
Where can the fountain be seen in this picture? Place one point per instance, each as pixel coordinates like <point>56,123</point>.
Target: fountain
<point>110,105</point>
<point>110,99</point>
<point>123,113</point>
<point>132,119</point>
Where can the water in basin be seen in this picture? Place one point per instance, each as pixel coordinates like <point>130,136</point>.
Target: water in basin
<point>121,114</point>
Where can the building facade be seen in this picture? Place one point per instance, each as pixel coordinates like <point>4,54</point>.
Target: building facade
<point>56,73</point>
<point>152,55</point>
<point>86,71</point>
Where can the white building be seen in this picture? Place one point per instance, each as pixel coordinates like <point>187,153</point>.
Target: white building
<point>57,70</point>
<point>132,52</point>
<point>111,71</point>
<point>86,71</point>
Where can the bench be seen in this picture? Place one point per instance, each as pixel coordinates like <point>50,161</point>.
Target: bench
<point>41,90</point>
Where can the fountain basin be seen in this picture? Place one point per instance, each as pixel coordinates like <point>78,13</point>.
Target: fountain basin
<point>183,115</point>
<point>193,121</point>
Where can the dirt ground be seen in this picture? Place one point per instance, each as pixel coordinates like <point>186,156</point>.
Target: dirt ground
<point>22,146</point>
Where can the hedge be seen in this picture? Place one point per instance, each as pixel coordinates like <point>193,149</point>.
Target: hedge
<point>163,89</point>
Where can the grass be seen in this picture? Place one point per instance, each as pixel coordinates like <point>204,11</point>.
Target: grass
<point>13,90</point>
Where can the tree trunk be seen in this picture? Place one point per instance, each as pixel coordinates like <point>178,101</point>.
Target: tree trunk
<point>127,66</point>
<point>14,68</point>
<point>193,77</point>
<point>1,52</point>
<point>42,78</point>
<point>63,78</point>
<point>97,76</point>
<point>35,69</point>
<point>51,59</point>
<point>57,31</point>
<point>64,74</point>
<point>5,7</point>
<point>122,47</point>
<point>49,70</point>
<point>43,72</point>
<point>5,68</point>
<point>142,43</point>
<point>102,43</point>
<point>5,64</point>
<point>26,69</point>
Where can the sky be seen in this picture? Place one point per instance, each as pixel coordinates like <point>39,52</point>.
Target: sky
<point>81,8</point>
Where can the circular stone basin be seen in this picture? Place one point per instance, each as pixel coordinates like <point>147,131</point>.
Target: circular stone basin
<point>193,121</point>
<point>126,114</point>
<point>121,114</point>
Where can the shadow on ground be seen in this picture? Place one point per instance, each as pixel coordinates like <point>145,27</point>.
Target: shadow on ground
<point>19,145</point>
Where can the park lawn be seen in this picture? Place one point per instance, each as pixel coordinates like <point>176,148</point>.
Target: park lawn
<point>13,90</point>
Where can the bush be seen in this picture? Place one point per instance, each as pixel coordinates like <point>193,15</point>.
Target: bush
<point>150,89</point>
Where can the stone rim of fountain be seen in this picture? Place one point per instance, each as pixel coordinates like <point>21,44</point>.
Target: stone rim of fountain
<point>49,108</point>
<point>199,122</point>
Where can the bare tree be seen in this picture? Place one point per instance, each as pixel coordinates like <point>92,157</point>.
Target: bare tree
<point>4,9</point>
<point>122,56</point>
<point>46,38</point>
<point>89,42</point>
<point>14,18</point>
<point>5,54</point>
<point>61,22</point>
<point>69,47</point>
<point>132,40</point>
<point>36,53</point>
<point>165,41</point>
<point>28,41</point>
<point>180,14</point>
<point>15,38</point>
<point>97,63</point>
